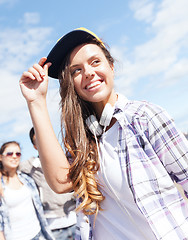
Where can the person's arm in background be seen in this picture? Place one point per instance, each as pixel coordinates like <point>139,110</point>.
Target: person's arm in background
<point>34,84</point>
<point>2,237</point>
<point>26,166</point>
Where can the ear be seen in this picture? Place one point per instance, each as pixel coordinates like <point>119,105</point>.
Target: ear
<point>35,146</point>
<point>112,67</point>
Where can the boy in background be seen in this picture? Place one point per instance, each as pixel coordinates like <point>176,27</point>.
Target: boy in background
<point>59,209</point>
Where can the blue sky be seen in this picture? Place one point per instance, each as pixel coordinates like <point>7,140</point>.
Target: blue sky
<point>148,38</point>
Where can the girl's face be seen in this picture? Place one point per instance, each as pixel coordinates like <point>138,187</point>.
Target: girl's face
<point>11,157</point>
<point>92,75</point>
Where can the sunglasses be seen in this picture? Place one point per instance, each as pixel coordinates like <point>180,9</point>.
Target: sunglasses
<point>10,154</point>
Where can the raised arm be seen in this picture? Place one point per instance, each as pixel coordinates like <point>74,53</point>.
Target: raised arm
<point>34,84</point>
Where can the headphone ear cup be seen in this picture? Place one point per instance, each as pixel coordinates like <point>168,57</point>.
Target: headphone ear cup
<point>93,125</point>
<point>106,115</point>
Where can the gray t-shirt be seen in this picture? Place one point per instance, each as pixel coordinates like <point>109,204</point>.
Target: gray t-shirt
<point>54,204</point>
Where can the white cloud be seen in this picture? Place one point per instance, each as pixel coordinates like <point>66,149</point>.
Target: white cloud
<point>143,9</point>
<point>163,52</point>
<point>183,122</point>
<point>17,48</point>
<point>108,24</point>
<point>12,105</point>
<point>15,118</point>
<point>31,18</point>
<point>171,12</point>
<point>178,71</point>
<point>8,2</point>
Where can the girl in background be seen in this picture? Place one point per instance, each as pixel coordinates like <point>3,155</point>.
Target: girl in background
<point>21,212</point>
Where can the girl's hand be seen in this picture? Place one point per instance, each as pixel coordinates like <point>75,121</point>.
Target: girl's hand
<point>34,82</point>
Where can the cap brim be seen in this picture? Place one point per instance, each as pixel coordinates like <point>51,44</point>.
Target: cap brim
<point>63,47</point>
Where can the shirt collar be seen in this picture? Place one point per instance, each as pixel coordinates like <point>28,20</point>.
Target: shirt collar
<point>120,103</point>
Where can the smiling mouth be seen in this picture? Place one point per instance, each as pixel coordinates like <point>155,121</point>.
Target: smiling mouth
<point>93,84</point>
<point>14,162</point>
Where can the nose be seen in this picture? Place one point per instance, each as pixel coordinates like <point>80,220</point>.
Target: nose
<point>14,155</point>
<point>89,72</point>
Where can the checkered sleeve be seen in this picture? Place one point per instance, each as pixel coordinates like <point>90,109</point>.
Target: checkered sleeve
<point>169,143</point>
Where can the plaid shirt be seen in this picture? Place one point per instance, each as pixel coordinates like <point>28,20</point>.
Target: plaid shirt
<point>155,154</point>
<point>4,216</point>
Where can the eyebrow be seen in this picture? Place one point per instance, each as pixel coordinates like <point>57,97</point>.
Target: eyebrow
<point>77,65</point>
<point>73,66</point>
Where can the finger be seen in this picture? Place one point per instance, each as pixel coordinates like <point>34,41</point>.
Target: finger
<point>42,61</point>
<point>46,67</point>
<point>37,72</point>
<point>40,70</point>
<point>27,75</point>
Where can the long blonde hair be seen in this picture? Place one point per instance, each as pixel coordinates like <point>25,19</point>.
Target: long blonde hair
<point>78,140</point>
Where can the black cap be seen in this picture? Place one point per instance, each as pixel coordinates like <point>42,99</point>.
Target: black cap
<point>64,45</point>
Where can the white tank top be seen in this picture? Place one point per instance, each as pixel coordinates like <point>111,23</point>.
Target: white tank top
<point>23,218</point>
<point>120,219</point>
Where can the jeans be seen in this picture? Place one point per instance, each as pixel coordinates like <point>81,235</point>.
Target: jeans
<point>64,233</point>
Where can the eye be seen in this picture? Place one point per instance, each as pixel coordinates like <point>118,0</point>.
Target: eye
<point>95,62</point>
<point>75,71</point>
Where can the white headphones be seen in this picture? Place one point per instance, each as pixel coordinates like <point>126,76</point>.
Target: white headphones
<point>96,127</point>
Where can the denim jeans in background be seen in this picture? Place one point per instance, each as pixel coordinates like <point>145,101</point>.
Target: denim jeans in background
<point>65,233</point>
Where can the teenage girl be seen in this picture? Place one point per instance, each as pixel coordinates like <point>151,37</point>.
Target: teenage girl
<point>125,154</point>
<point>21,212</point>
